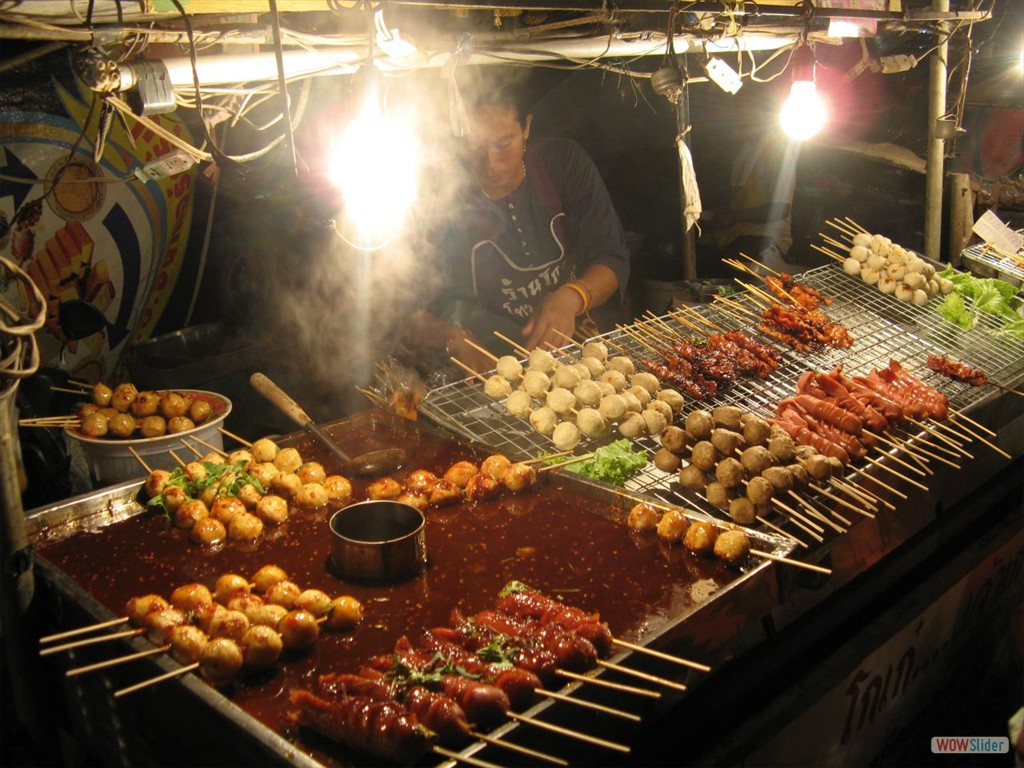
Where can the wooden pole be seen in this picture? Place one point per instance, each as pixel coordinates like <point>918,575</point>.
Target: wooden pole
<point>961,215</point>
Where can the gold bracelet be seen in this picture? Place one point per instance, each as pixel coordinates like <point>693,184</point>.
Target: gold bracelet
<point>583,292</point>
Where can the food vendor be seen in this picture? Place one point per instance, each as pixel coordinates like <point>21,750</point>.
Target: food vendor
<point>532,244</point>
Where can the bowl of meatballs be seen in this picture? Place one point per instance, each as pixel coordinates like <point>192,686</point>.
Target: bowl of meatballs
<point>125,433</point>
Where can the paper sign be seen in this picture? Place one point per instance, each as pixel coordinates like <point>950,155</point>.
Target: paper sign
<point>993,231</point>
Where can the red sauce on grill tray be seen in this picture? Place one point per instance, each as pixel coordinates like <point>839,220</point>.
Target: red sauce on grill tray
<point>554,538</point>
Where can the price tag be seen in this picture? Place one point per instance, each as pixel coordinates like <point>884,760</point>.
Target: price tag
<point>993,231</point>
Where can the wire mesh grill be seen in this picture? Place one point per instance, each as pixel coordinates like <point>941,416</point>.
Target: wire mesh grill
<point>883,329</point>
<point>987,262</point>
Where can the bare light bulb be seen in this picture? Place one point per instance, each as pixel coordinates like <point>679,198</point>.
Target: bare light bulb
<point>804,114</point>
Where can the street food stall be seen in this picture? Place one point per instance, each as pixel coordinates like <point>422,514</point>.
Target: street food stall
<point>770,527</point>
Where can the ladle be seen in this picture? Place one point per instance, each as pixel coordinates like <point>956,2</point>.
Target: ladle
<point>367,464</point>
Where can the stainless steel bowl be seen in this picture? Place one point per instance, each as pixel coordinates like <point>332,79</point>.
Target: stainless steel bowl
<point>378,541</point>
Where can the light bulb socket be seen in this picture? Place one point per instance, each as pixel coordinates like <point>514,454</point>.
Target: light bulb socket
<point>668,82</point>
<point>803,64</point>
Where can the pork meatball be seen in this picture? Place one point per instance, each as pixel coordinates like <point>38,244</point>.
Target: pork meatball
<point>732,547</point>
<point>508,368</point>
<point>226,508</point>
<point>288,460</point>
<point>94,425</point>
<point>718,495</point>
<point>384,488</point>
<point>420,500</point>
<point>672,526</point>
<point>760,491</point>
<point>817,466</point>
<point>189,596</point>
<point>160,624</point>
<point>172,404</point>
<point>444,492</point>
<point>756,459</point>
<point>641,394</point>
<point>519,477</point>
<point>704,456</point>
<point>582,371</point>
<point>187,644</point>
<point>519,404</point>
<point>461,472</point>
<point>782,448</point>
<point>137,607</point>
<point>643,517</point>
<point>285,484</point>
<point>153,426</point>
<point>729,472</point>
<point>337,487</point>
<point>497,387</point>
<point>123,396</point>
<point>699,424</point>
<point>267,615</point>
<point>344,614</point>
<point>284,593</point>
<point>667,461</point>
<point>693,478</point>
<point>208,532</point>
<point>178,424</point>
<point>245,527</point>
<point>264,449</point>
<point>700,538</point>
<point>672,398</point>
<point>780,478</point>
<point>633,426</point>
<point>311,472</point>
<point>267,576</point>
<point>145,404</point>
<point>261,647</point>
<point>728,416</point>
<point>594,366</point>
<point>102,394</point>
<point>495,466</point>
<point>633,404</point>
<point>561,401</point>
<point>541,360</point>
<point>756,431</point>
<point>742,510</point>
<point>482,487</point>
<point>566,436</point>
<point>421,480</point>
<point>229,623</point>
<point>588,393</point>
<point>123,424</point>
<point>316,601</point>
<point>727,442</point>
<point>221,660</point>
<point>299,630</point>
<point>544,420</point>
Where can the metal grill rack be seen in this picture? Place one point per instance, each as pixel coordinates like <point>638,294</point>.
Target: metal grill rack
<point>883,328</point>
<point>983,260</point>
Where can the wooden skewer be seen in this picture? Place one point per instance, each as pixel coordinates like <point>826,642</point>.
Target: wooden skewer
<point>517,748</point>
<point>372,396</point>
<point>177,458</point>
<point>982,428</point>
<point>561,464</point>
<point>842,227</point>
<point>784,534</point>
<point>569,339</point>
<point>685,321</point>
<point>806,529</point>
<point>589,705</point>
<point>139,459</point>
<point>236,438</point>
<point>568,732</point>
<point>82,630</point>
<point>797,515</point>
<point>829,495</point>
<point>158,679</point>
<point>80,383</point>
<point>80,392</point>
<point>466,368</point>
<point>855,225</point>
<point>661,655</point>
<point>860,492</point>
<point>114,662</point>
<point>91,641</point>
<point>902,445</point>
<point>211,446</point>
<point>875,480</point>
<point>482,351</point>
<point>518,347</point>
<point>642,675</point>
<point>49,421</point>
<point>956,447</point>
<point>758,263</point>
<point>790,561</point>
<point>832,241</point>
<point>827,252</point>
<point>815,512</point>
<point>602,683</point>
<point>734,305</point>
<point>467,759</point>
<point>191,447</point>
<point>895,473</point>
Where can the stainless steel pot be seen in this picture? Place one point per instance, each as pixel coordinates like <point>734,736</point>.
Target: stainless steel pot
<point>380,541</point>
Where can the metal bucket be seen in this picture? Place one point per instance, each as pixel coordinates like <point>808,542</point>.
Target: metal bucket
<point>379,541</point>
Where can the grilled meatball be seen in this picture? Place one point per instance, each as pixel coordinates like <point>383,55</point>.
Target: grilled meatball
<point>316,601</point>
<point>267,576</point>
<point>756,459</point>
<point>693,478</point>
<point>591,423</point>
<point>461,472</point>
<point>640,393</point>
<point>779,477</point>
<point>782,448</point>
<point>299,630</point>
<point>673,438</point>
<point>729,472</point>
<point>718,495</point>
<point>760,490</point>
<point>536,383</point>
<point>420,480</point>
<point>178,424</point>
<point>227,585</point>
<point>588,393</point>
<point>208,532</point>
<point>160,624</point>
<point>228,623</point>
<point>286,484</point>
<point>288,460</point>
<point>560,400</point>
<point>646,380</point>
<point>672,398</point>
<point>519,478</point>
<point>225,508</point>
<point>544,420</point>
<point>704,456</point>
<point>137,607</point>
<point>566,436</point>
<point>444,492</point>
<point>264,449</point>
<point>172,404</point>
<point>567,377</point>
<point>187,644</point>
<point>672,526</point>
<point>261,647</point>
<point>699,424</point>
<point>643,517</point>
<point>541,360</point>
<point>311,472</point>
<point>123,424</point>
<point>337,487</point>
<point>622,364</point>
<point>384,488</point>
<point>495,465</point>
<point>633,426</point>
<point>497,387</point>
<point>188,597</point>
<point>190,513</point>
<point>615,378</point>
<point>732,547</point>
<point>700,538</point>
<point>221,660</point>
<point>612,407</point>
<point>817,467</point>
<point>742,510</point>
<point>519,404</point>
<point>756,431</point>
<point>156,481</point>
<point>508,368</point>
<point>102,394</point>
<point>482,487</point>
<point>415,499</point>
<point>595,349</point>
<point>727,441</point>
<point>284,593</point>
<point>728,416</point>
<point>344,614</point>
<point>267,615</point>
<point>153,426</point>
<point>667,461</point>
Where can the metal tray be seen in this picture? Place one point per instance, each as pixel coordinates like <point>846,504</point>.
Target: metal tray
<point>141,729</point>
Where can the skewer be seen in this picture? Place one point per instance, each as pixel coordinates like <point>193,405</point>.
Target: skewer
<point>892,471</point>
<point>211,446</point>
<point>816,515</point>
<point>758,263</point>
<point>843,502</point>
<point>467,759</point>
<point>241,440</point>
<point>113,662</point>
<point>482,351</point>
<point>518,347</point>
<point>843,227</point>
<point>827,252</point>
<point>517,748</point>
<point>806,529</point>
<point>789,561</point>
<point>139,459</point>
<point>158,679</point>
<point>779,531</point>
<point>589,705</point>
<point>82,630</point>
<point>901,445</point>
<point>832,241</point>
<point>372,396</point>
<point>569,339</point>
<point>957,447</point>
<point>80,383</point>
<point>177,458</point>
<point>735,305</point>
<point>602,683</point>
<point>855,225</point>
<point>661,655</point>
<point>797,515</point>
<point>191,447</point>
<point>874,479</point>
<point>686,322</point>
<point>91,641</point>
<point>813,510</point>
<point>642,675</point>
<point>568,732</point>
<point>561,464</point>
<point>80,392</point>
<point>633,335</point>
<point>466,368</point>
<point>51,422</point>
<point>719,307</point>
<point>860,492</point>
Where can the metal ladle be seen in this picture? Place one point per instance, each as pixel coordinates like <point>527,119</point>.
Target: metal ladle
<point>368,464</point>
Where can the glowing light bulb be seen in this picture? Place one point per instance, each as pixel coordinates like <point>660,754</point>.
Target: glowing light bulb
<point>375,163</point>
<point>804,114</point>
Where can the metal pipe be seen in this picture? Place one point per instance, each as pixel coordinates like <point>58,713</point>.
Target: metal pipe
<point>936,146</point>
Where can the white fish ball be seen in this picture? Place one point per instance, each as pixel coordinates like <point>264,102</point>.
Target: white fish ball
<point>544,420</point>
<point>519,404</point>
<point>566,436</point>
<point>622,364</point>
<point>633,426</point>
<point>642,394</point>
<point>541,360</point>
<point>946,286</point>
<point>509,367</point>
<point>673,398</point>
<point>607,388</point>
<point>929,270</point>
<point>616,378</point>
<point>932,287</point>
<point>851,266</point>
<point>914,280</point>
<point>860,253</point>
<point>536,383</point>
<point>904,292</point>
<point>887,285</point>
<point>632,402</point>
<point>897,272</point>
<point>595,366</point>
<point>588,393</point>
<point>877,261</point>
<point>916,265</point>
<point>612,407</point>
<point>646,380</point>
<point>591,423</point>
<point>921,297</point>
<point>566,376</point>
<point>497,387</point>
<point>560,400</point>
<point>582,371</point>
<point>877,241</point>
<point>654,420</point>
<point>862,239</point>
<point>870,275</point>
<point>596,349</point>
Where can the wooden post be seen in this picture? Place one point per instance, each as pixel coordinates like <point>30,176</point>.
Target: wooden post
<point>961,215</point>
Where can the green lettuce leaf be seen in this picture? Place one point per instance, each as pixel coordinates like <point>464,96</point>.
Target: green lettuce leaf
<point>954,309</point>
<point>614,463</point>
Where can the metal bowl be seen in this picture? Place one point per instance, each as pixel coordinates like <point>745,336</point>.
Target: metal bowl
<point>378,541</point>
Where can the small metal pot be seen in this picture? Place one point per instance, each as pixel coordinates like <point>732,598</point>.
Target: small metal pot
<point>380,541</point>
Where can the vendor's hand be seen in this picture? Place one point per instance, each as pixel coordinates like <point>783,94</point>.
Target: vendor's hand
<point>556,315</point>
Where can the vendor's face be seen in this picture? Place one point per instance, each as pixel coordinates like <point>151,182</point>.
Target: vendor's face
<point>494,148</point>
